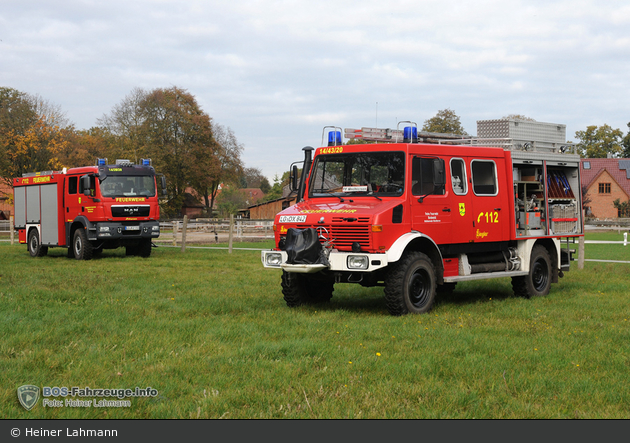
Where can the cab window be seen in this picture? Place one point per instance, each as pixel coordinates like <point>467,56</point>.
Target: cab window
<point>72,185</point>
<point>459,181</point>
<point>484,177</point>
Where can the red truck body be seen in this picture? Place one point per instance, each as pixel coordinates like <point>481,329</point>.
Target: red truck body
<point>88,209</point>
<point>417,218</point>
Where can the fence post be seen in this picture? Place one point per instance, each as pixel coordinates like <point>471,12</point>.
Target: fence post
<point>184,233</point>
<point>581,253</point>
<point>230,235</point>
<point>174,224</point>
<point>11,228</point>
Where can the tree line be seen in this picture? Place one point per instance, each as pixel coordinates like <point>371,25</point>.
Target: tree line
<point>166,125</point>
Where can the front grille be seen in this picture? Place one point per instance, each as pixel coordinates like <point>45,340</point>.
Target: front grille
<point>343,236</point>
<point>131,211</point>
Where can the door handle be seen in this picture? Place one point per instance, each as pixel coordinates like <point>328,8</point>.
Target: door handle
<point>446,210</point>
<point>497,209</point>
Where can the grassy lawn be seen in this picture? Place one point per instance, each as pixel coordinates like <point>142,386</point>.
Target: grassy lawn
<point>211,333</point>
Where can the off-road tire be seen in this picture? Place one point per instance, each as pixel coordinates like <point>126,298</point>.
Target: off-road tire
<point>299,289</point>
<point>81,246</point>
<point>411,285</point>
<point>144,248</point>
<point>35,248</point>
<point>538,282</point>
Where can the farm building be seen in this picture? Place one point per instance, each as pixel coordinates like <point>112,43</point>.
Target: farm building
<point>605,180</point>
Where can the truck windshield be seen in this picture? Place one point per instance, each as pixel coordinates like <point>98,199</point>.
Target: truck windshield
<point>354,174</point>
<point>126,186</point>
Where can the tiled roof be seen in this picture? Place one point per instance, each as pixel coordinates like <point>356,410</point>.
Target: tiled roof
<point>618,168</point>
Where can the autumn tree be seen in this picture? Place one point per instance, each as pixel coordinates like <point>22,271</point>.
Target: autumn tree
<point>599,142</point>
<point>518,117</point>
<point>445,122</point>
<point>177,135</point>
<point>124,123</point>
<point>254,178</point>
<point>31,139</point>
<point>625,143</point>
<point>228,152</point>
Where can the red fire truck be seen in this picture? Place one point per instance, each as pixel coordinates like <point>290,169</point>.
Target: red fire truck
<point>418,212</point>
<point>89,209</point>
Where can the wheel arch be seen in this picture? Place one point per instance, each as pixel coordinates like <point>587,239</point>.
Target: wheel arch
<point>554,254</point>
<point>416,241</point>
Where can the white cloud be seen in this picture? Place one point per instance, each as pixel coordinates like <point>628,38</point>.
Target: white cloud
<point>276,72</point>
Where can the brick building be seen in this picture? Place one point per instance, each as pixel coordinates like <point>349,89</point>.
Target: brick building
<point>605,180</point>
<point>6,200</point>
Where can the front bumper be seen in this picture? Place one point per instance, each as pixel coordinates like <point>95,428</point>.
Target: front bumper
<point>339,261</point>
<point>117,231</point>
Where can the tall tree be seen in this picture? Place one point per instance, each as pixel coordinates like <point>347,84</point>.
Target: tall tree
<point>177,135</point>
<point>599,141</point>
<point>625,143</point>
<point>228,153</point>
<point>125,122</point>
<point>445,121</point>
<point>31,139</point>
<point>518,117</point>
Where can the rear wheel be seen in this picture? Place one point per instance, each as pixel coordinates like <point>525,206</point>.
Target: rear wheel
<point>411,285</point>
<point>538,282</point>
<point>35,248</point>
<point>301,289</point>
<point>81,246</point>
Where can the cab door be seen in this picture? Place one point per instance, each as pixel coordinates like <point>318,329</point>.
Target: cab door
<point>458,184</point>
<point>490,209</point>
<point>431,209</point>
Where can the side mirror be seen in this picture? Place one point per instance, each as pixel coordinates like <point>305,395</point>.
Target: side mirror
<point>163,180</point>
<point>294,177</point>
<point>85,184</point>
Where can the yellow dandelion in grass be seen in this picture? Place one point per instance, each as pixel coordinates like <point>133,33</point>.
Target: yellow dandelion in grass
<point>378,354</point>
<point>349,362</point>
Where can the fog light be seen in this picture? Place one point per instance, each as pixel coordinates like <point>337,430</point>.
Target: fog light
<point>103,228</point>
<point>274,259</point>
<point>357,262</point>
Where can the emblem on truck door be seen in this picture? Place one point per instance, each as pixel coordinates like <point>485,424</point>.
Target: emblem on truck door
<point>462,209</point>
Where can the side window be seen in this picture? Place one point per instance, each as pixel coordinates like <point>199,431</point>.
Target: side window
<point>458,176</point>
<point>423,176</point>
<point>72,185</point>
<point>484,177</point>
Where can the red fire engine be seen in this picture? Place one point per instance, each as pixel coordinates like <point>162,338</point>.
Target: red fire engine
<point>419,212</point>
<point>89,209</point>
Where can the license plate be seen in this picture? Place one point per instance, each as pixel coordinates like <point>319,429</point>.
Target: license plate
<point>132,228</point>
<point>292,218</point>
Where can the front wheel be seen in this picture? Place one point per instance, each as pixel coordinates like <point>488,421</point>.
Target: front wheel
<point>411,285</point>
<point>538,282</point>
<point>81,246</point>
<point>35,248</point>
<point>300,289</point>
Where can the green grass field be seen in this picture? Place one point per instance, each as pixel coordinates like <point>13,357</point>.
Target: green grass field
<point>211,333</point>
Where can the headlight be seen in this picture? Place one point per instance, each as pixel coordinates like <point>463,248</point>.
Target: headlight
<point>103,228</point>
<point>274,259</point>
<point>357,262</point>
<point>156,228</point>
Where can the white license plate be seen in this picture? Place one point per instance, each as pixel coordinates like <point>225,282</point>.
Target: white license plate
<point>292,218</point>
<point>132,228</point>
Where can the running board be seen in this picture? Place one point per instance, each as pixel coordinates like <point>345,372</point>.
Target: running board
<point>484,275</point>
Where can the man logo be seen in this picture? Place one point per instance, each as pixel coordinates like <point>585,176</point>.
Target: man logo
<point>28,396</point>
<point>462,209</point>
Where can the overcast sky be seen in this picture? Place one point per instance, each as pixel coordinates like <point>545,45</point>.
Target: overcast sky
<point>277,72</point>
